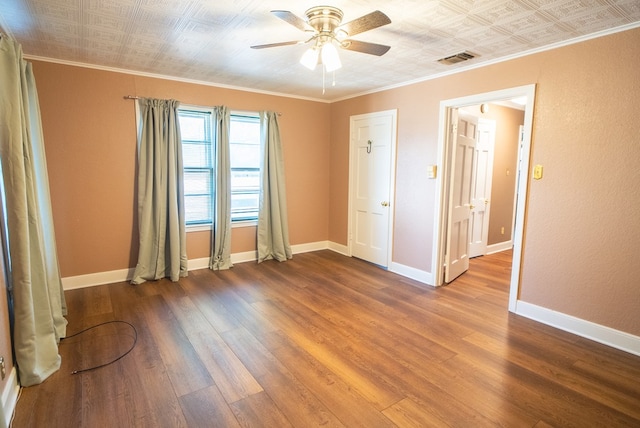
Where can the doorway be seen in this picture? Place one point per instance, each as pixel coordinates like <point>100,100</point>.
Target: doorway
<point>446,128</point>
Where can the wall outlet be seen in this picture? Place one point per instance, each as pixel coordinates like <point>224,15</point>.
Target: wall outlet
<point>502,230</point>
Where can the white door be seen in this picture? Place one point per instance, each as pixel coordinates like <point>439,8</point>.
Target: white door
<point>462,152</point>
<point>481,188</point>
<point>371,171</point>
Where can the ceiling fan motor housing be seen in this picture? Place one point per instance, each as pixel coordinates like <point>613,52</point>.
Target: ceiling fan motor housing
<point>324,19</point>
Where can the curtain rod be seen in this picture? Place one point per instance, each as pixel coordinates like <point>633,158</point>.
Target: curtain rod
<point>133,97</point>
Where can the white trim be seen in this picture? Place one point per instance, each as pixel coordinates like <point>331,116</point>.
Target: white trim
<point>246,256</point>
<point>500,246</point>
<point>413,273</point>
<point>587,329</point>
<point>339,248</point>
<point>311,246</point>
<point>99,278</point>
<point>201,263</point>
<point>124,275</point>
<point>522,191</point>
<point>10,397</point>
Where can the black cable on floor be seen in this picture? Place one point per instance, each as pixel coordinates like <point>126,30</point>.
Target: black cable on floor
<point>135,340</point>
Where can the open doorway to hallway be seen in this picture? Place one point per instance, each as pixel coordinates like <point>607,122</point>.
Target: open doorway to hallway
<point>454,203</point>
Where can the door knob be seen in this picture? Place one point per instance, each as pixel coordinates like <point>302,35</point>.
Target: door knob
<point>471,206</point>
<point>384,203</point>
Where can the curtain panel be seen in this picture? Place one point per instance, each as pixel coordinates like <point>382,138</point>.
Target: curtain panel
<point>221,233</point>
<point>273,229</point>
<point>35,285</point>
<point>161,216</point>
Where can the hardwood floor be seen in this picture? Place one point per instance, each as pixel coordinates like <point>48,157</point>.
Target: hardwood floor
<point>326,340</point>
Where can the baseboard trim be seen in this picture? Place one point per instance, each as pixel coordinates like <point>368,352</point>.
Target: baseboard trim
<point>587,329</point>
<point>311,246</point>
<point>10,397</point>
<point>100,278</point>
<point>500,246</point>
<point>122,275</point>
<point>339,248</point>
<point>413,273</point>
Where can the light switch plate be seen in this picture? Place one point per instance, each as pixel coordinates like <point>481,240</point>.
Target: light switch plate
<point>537,172</point>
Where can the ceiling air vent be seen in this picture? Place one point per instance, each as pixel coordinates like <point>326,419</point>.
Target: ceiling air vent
<point>459,57</point>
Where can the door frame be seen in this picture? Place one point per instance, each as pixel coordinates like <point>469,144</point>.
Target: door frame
<point>522,182</point>
<point>392,178</point>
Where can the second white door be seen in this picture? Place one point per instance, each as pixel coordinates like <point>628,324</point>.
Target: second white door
<point>462,152</point>
<point>481,188</point>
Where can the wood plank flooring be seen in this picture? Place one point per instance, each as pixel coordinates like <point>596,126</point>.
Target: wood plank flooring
<point>326,340</point>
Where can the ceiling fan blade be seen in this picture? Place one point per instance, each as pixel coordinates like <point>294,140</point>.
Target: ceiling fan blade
<point>292,19</point>
<point>273,45</point>
<point>365,23</point>
<point>365,47</point>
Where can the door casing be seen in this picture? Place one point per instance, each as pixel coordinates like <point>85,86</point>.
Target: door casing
<point>521,191</point>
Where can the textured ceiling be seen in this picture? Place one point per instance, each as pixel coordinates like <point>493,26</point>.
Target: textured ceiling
<point>208,40</point>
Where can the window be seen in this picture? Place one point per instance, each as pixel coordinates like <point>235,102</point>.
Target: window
<point>196,126</point>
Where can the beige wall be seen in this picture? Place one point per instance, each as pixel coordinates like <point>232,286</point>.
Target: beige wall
<point>582,235</point>
<point>90,142</point>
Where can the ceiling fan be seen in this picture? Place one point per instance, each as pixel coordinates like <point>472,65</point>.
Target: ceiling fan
<point>323,23</point>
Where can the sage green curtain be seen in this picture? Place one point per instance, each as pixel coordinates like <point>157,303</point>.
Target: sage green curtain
<point>221,234</point>
<point>161,218</point>
<point>35,285</point>
<point>273,229</point>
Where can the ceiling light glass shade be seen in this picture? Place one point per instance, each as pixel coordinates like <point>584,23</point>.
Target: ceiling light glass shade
<point>310,58</point>
<point>330,57</point>
<point>341,35</point>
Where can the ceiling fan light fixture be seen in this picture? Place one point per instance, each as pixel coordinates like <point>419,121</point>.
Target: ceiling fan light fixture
<point>340,34</point>
<point>330,58</point>
<point>325,24</point>
<point>310,58</point>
